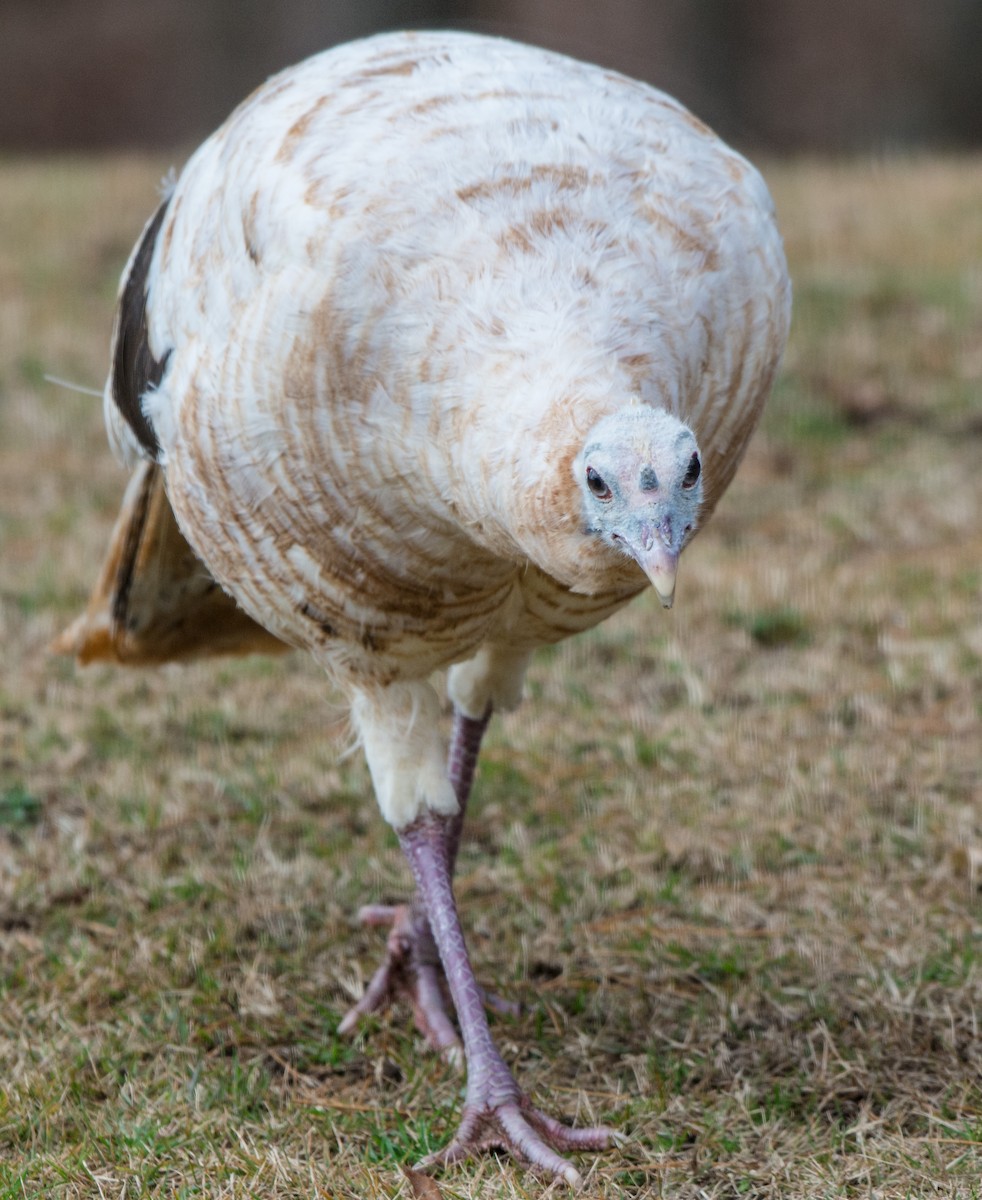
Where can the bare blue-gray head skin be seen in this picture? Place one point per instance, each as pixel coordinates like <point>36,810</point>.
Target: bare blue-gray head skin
<point>640,474</point>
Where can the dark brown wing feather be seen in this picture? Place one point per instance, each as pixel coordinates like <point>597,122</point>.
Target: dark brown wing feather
<point>135,370</point>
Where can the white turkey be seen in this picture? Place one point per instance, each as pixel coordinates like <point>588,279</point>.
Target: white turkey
<point>443,348</point>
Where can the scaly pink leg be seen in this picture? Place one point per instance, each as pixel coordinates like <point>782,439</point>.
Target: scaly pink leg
<point>411,969</point>
<point>496,1112</point>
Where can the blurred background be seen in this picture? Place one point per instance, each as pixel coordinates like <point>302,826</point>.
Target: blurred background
<point>770,75</point>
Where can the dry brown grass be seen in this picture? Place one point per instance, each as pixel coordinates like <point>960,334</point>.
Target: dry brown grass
<point>729,856</point>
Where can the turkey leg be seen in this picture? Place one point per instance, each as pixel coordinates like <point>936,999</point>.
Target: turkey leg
<point>496,1111</point>
<point>411,969</point>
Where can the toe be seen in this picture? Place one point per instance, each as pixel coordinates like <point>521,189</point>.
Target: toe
<point>380,914</point>
<point>568,1137</point>
<point>376,996</point>
<point>524,1141</point>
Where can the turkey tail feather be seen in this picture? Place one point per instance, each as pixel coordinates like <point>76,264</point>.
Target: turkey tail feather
<point>154,601</point>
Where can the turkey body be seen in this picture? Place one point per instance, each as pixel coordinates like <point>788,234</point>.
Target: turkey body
<point>369,338</point>
<point>395,290</point>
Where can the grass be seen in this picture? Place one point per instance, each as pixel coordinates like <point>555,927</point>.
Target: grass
<point>729,857</point>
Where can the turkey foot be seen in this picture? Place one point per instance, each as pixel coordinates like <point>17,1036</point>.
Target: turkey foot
<point>412,972</point>
<point>516,1126</point>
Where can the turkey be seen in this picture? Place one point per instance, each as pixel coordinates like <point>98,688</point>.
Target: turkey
<point>440,349</point>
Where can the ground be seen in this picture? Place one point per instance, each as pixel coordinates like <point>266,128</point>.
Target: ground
<point>728,857</point>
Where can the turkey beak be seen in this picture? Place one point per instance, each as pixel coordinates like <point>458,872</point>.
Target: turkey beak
<point>659,559</point>
<point>660,565</point>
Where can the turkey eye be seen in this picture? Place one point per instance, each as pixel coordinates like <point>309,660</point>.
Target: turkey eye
<point>692,474</point>
<point>597,485</point>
